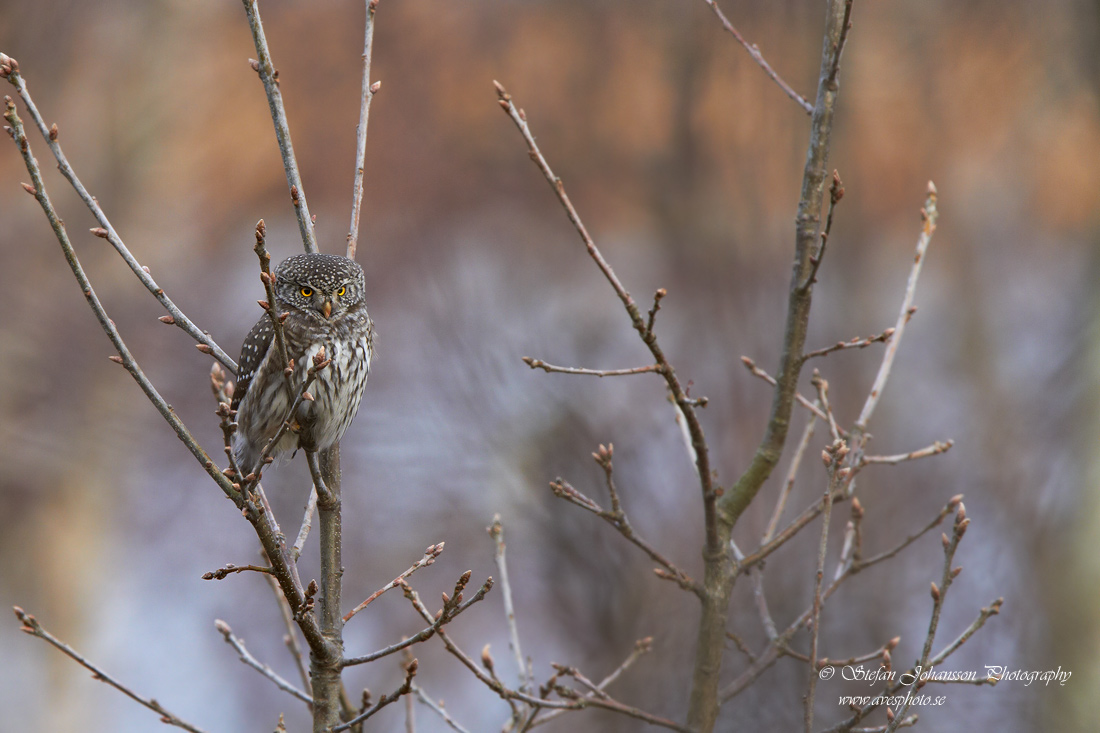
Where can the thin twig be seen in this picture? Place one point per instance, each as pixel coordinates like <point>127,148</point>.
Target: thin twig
<point>834,457</point>
<point>858,565</point>
<point>289,420</point>
<point>929,214</point>
<point>539,364</point>
<point>268,279</point>
<point>687,406</point>
<point>290,638</point>
<point>939,593</point>
<point>124,356</point>
<point>262,521</point>
<point>270,78</point>
<point>429,557</point>
<point>404,689</point>
<point>438,708</point>
<point>325,497</point>
<point>425,633</point>
<point>932,450</point>
<point>657,296</point>
<point>792,473</point>
<point>307,524</point>
<point>251,661</point>
<point>822,387</point>
<point>761,600</point>
<point>107,231</point>
<point>365,98</point>
<point>852,551</point>
<point>229,569</point>
<point>410,713</point>
<point>508,694</point>
<point>738,497</point>
<point>777,647</point>
<point>854,343</point>
<point>784,535</point>
<point>877,654</point>
<point>564,490</point>
<point>836,193</point>
<point>756,371</point>
<point>983,615</point>
<point>759,59</point>
<point>34,628</point>
<point>496,531</point>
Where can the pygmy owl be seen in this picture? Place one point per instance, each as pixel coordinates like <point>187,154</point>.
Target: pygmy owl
<point>323,295</point>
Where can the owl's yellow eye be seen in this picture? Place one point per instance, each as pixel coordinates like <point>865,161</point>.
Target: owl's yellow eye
<point>341,291</point>
<point>307,292</point>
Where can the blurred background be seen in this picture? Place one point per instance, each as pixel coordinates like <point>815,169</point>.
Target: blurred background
<point>685,161</point>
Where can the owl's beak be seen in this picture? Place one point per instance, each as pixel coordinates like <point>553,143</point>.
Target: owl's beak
<point>327,308</point>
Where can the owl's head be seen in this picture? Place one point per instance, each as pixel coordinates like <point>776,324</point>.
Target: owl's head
<point>319,285</point>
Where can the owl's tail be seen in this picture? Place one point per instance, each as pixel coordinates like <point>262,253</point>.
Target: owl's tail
<point>246,454</point>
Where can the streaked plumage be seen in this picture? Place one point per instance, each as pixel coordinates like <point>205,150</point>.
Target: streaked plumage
<point>263,393</point>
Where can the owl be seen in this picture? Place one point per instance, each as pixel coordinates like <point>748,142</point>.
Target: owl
<point>323,295</point>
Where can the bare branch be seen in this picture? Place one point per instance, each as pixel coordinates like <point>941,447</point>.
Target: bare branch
<point>984,615</point>
<point>822,387</point>
<point>762,609</point>
<point>307,524</point>
<point>617,519</point>
<point>657,296</point>
<point>230,569</point>
<point>262,521</point>
<point>514,695</point>
<point>251,661</point>
<point>34,628</point>
<point>929,214</point>
<point>270,78</point>
<point>424,634</point>
<point>107,231</point>
<point>437,707</point>
<point>687,405</point>
<point>125,358</point>
<point>496,531</point>
<point>365,98</point>
<point>854,343</point>
<point>539,364</point>
<point>756,371</point>
<point>319,363</point>
<point>858,565</point>
<point>877,654</point>
<point>805,517</point>
<point>290,638</point>
<point>268,279</point>
<point>405,689</point>
<point>932,450</point>
<point>834,458</point>
<point>737,499</point>
<point>836,193</point>
<point>792,473</point>
<point>429,557</point>
<point>759,59</point>
<point>950,545</point>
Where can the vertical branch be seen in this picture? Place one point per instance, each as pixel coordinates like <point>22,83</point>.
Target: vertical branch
<point>325,668</point>
<point>719,575</point>
<point>496,531</point>
<point>834,456</point>
<point>367,95</point>
<point>270,78</point>
<point>929,214</point>
<point>810,203</point>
